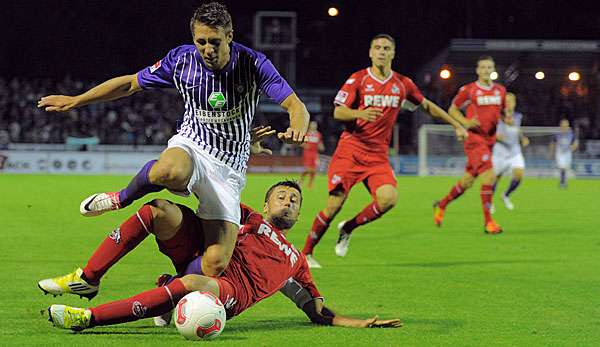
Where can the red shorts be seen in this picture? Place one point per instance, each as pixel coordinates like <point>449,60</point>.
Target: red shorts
<point>479,158</point>
<point>310,161</point>
<point>350,167</point>
<point>230,291</point>
<point>187,244</point>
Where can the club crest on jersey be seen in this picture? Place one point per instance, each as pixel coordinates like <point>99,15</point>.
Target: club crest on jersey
<point>485,157</point>
<point>155,67</point>
<point>369,88</point>
<point>217,100</point>
<point>395,89</point>
<point>239,89</point>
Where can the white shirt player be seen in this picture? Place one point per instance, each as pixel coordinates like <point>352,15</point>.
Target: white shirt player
<point>563,153</point>
<point>507,154</point>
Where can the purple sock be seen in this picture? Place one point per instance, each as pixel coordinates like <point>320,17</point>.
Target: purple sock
<point>513,185</point>
<point>139,186</point>
<point>563,176</point>
<point>194,267</point>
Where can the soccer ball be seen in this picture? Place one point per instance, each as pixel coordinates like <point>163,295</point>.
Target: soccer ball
<point>200,315</point>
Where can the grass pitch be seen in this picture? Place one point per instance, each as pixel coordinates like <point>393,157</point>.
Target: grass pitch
<point>536,285</point>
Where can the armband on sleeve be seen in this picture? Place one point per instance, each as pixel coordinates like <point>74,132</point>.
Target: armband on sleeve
<point>295,292</point>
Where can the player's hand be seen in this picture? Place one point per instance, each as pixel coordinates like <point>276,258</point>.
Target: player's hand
<point>524,141</point>
<point>369,114</point>
<point>257,134</point>
<point>375,322</point>
<point>260,133</point>
<point>461,133</point>
<point>471,123</point>
<point>292,136</point>
<point>57,103</point>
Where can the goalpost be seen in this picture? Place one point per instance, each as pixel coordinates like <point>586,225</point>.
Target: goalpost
<point>441,154</point>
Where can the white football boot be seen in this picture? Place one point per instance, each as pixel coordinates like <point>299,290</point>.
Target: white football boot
<point>97,204</point>
<point>343,242</point>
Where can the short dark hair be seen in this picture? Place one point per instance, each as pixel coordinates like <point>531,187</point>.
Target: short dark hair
<point>384,36</point>
<point>285,183</point>
<point>214,14</point>
<point>485,57</point>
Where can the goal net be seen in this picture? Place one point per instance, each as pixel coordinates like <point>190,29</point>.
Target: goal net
<point>441,154</point>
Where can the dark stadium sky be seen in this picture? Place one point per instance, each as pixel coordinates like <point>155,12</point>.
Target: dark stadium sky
<point>100,39</point>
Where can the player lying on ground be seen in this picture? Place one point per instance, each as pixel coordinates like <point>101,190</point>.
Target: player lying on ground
<point>220,82</point>
<point>484,101</point>
<point>263,262</point>
<point>368,103</point>
<point>507,156</point>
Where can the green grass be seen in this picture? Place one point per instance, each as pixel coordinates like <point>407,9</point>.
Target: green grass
<point>538,284</point>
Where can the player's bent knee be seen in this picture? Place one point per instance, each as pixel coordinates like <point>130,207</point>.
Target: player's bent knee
<point>171,176</point>
<point>214,262</point>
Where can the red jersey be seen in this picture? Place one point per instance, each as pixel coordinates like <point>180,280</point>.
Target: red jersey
<point>262,262</point>
<point>313,139</point>
<point>363,90</point>
<point>484,103</point>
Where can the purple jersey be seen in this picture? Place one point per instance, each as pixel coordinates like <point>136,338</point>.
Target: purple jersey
<point>219,105</point>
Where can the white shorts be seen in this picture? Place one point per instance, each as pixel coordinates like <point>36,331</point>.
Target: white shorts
<point>564,161</point>
<point>503,164</point>
<point>216,185</point>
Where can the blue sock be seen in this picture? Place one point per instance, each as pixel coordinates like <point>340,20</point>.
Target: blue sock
<point>194,267</point>
<point>139,186</point>
<point>513,185</point>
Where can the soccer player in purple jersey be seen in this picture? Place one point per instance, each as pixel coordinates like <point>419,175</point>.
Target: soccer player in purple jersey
<point>220,82</point>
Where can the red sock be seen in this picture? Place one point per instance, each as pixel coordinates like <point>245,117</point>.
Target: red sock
<point>122,240</point>
<point>369,214</point>
<point>486,201</point>
<point>150,303</point>
<point>319,227</point>
<point>454,193</point>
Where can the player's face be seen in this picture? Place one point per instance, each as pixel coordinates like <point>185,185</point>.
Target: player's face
<point>283,207</point>
<point>382,52</point>
<point>312,126</point>
<point>564,125</point>
<point>213,45</point>
<point>485,69</point>
<point>511,102</point>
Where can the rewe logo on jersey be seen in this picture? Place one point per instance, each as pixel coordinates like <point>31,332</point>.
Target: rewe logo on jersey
<point>217,100</point>
<point>489,100</point>
<point>382,100</point>
<point>289,251</point>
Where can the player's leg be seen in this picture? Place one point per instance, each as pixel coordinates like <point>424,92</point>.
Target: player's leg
<point>384,199</point>
<point>220,237</point>
<point>147,304</point>
<point>158,217</point>
<point>342,175</point>
<point>517,177</point>
<point>172,170</point>
<point>439,207</point>
<point>311,177</point>
<point>488,178</point>
<point>335,202</point>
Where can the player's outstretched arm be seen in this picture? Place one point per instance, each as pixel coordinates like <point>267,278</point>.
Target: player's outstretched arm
<point>437,112</point>
<point>320,314</point>
<point>299,118</point>
<point>112,89</point>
